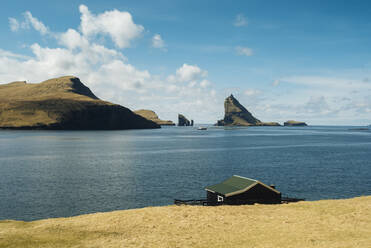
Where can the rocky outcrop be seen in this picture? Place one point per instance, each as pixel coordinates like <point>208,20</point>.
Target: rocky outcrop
<point>269,124</point>
<point>237,115</point>
<point>294,123</point>
<point>152,116</point>
<point>183,121</point>
<point>63,103</point>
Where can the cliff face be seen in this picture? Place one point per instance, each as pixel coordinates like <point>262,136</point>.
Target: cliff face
<point>62,103</point>
<point>238,115</point>
<point>183,121</point>
<point>152,116</point>
<point>294,123</point>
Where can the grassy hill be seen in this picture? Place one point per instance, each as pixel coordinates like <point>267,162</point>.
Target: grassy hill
<point>62,103</point>
<point>327,223</point>
<point>151,115</point>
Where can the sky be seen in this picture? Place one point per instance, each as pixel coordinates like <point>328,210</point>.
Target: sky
<point>303,60</point>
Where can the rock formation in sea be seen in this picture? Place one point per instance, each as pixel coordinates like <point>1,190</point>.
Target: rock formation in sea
<point>152,116</point>
<point>237,115</point>
<point>63,103</point>
<point>294,123</point>
<point>183,121</point>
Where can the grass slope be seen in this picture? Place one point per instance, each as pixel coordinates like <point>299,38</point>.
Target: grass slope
<point>327,223</point>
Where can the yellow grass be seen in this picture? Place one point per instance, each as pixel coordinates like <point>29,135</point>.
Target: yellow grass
<point>328,223</point>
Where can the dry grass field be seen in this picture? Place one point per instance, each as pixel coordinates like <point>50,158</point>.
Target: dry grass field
<point>327,223</point>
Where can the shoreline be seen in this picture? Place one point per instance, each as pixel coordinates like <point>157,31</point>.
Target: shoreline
<point>323,223</point>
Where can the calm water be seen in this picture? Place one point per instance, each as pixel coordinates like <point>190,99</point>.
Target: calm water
<point>64,173</point>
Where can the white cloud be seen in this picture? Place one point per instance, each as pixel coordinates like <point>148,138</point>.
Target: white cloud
<point>205,83</point>
<point>244,51</point>
<point>188,73</point>
<point>13,24</point>
<point>240,21</point>
<point>252,92</point>
<point>8,54</point>
<point>72,39</point>
<point>158,42</point>
<point>317,105</point>
<point>119,25</point>
<point>35,23</point>
<point>29,21</point>
<point>192,84</point>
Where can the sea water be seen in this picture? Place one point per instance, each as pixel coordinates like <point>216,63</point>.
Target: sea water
<point>47,174</point>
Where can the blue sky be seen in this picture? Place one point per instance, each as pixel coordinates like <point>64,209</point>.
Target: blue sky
<point>305,60</point>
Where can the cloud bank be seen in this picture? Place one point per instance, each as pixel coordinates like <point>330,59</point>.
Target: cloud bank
<point>158,42</point>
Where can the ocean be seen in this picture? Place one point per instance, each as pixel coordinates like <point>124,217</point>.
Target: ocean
<point>46,174</point>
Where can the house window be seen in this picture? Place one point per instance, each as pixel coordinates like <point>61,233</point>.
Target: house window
<point>220,198</point>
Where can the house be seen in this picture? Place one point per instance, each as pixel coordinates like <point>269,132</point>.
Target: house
<point>238,190</point>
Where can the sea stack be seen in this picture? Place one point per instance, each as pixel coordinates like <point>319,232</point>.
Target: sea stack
<point>63,103</point>
<point>183,121</point>
<point>152,116</point>
<point>237,115</point>
<point>294,123</point>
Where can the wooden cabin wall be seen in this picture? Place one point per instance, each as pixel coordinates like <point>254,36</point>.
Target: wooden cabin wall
<point>257,194</point>
<point>212,198</point>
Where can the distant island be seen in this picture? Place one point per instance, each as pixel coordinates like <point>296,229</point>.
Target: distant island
<point>63,103</point>
<point>237,115</point>
<point>152,116</point>
<point>183,121</point>
<point>294,123</point>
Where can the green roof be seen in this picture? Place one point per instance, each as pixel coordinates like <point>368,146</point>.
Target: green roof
<point>231,185</point>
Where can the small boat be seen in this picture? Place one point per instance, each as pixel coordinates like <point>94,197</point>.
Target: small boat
<point>202,128</point>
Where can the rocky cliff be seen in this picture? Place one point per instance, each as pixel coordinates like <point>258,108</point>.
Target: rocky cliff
<point>62,103</point>
<point>183,121</point>
<point>152,116</point>
<point>294,123</point>
<point>237,115</point>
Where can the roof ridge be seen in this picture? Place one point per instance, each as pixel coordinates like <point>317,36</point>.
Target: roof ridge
<point>246,178</point>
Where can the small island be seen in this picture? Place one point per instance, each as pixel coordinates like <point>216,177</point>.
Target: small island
<point>63,103</point>
<point>183,121</point>
<point>237,115</point>
<point>292,123</point>
<point>152,116</point>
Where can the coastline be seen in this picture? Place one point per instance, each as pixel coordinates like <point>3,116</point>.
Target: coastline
<point>324,223</point>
